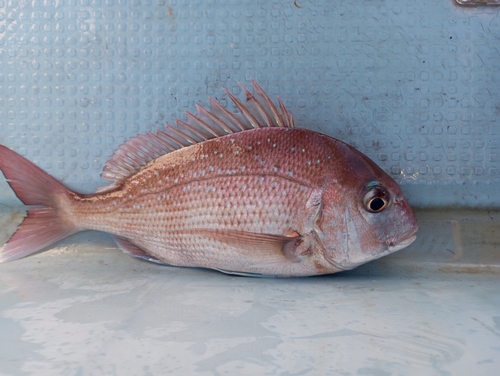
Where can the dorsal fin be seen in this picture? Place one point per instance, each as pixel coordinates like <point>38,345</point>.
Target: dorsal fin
<point>257,112</point>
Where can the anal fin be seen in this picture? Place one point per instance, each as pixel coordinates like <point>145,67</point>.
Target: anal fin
<point>244,274</point>
<point>131,249</point>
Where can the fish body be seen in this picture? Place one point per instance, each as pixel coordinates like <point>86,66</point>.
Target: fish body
<point>244,195</point>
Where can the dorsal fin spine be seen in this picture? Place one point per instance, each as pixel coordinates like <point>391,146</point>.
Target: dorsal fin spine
<point>205,125</point>
<point>172,133</point>
<point>171,142</point>
<point>262,112</point>
<point>190,128</point>
<point>274,110</point>
<point>217,121</point>
<point>243,110</point>
<point>288,115</point>
<point>258,112</point>
<point>230,115</point>
<point>162,146</point>
<point>182,135</point>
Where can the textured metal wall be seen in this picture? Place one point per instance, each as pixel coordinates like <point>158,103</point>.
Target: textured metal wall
<point>414,85</point>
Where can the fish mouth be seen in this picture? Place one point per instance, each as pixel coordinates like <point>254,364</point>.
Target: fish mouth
<point>400,241</point>
<point>394,246</point>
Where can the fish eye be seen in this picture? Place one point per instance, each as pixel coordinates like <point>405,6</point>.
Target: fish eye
<point>376,200</point>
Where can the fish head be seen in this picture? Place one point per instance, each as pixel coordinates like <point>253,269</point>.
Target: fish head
<point>372,219</point>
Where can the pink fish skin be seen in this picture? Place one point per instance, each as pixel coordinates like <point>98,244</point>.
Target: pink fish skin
<point>243,194</point>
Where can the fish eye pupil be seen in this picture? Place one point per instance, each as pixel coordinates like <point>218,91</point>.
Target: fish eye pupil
<point>376,205</point>
<point>376,200</point>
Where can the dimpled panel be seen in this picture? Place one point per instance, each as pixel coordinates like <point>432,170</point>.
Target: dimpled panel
<point>414,85</point>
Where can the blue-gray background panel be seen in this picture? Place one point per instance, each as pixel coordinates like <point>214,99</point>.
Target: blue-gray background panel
<point>414,85</point>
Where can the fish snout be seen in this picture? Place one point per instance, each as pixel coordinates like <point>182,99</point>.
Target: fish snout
<point>407,226</point>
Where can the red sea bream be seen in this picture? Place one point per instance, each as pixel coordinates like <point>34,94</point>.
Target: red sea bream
<point>242,193</point>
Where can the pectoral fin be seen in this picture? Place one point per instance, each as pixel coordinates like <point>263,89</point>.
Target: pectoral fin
<point>261,249</point>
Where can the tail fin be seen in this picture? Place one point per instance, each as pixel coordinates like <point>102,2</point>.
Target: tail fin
<point>43,225</point>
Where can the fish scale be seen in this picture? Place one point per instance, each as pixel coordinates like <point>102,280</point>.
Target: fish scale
<point>244,194</point>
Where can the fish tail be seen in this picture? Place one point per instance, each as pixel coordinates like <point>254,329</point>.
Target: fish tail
<point>46,198</point>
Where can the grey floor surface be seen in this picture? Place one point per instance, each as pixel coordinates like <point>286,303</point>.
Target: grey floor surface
<point>85,308</point>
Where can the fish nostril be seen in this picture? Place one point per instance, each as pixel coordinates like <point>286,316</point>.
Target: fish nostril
<point>401,202</point>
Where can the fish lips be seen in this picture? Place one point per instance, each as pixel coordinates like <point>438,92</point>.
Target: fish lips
<point>399,242</point>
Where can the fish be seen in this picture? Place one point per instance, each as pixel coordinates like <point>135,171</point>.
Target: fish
<point>242,192</point>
